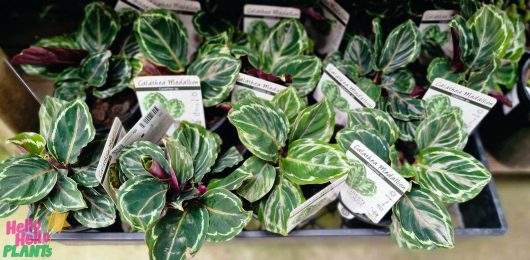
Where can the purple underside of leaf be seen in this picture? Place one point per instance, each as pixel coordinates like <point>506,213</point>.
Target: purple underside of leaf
<point>173,181</point>
<point>47,56</point>
<point>418,91</point>
<point>151,69</point>
<point>157,170</point>
<point>202,189</point>
<point>501,98</point>
<point>224,107</point>
<point>269,77</point>
<point>313,14</point>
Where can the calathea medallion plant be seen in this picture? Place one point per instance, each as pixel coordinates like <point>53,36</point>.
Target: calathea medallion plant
<point>290,145</point>
<point>164,193</point>
<point>439,171</point>
<point>50,174</point>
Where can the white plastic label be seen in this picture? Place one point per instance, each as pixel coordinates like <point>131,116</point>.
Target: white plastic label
<point>271,15</point>
<point>333,83</point>
<point>248,85</point>
<point>441,19</point>
<point>474,105</point>
<point>106,159</point>
<point>338,17</point>
<point>389,185</point>
<point>140,5</point>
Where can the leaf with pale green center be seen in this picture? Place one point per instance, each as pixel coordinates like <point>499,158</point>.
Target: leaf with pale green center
<point>261,127</point>
<point>421,221</point>
<point>286,39</point>
<point>368,136</point>
<point>405,107</point>
<point>377,33</point>
<point>358,181</point>
<point>442,68</point>
<point>31,142</point>
<point>401,81</point>
<point>517,46</point>
<point>181,161</point>
<point>65,196</point>
<point>201,145</point>
<point>478,80</point>
<point>130,158</point>
<point>72,130</point>
<point>315,122</point>
<point>401,48</point>
<point>359,51</point>
<point>218,74</point>
<point>313,162</point>
<point>305,72</point>
<point>226,214</point>
<point>25,179</point>
<point>94,68</point>
<point>141,200</point>
<point>289,102</point>
<point>231,182</point>
<point>162,38</point>
<point>99,27</point>
<point>407,129</point>
<point>177,234</point>
<point>442,130</point>
<point>257,31</point>
<point>118,79</point>
<point>261,181</point>
<point>453,176</point>
<point>283,199</point>
<point>436,105</point>
<point>48,112</point>
<point>228,159</point>
<point>7,209</point>
<point>100,212</point>
<point>375,119</point>
<point>491,36</point>
<point>465,38</point>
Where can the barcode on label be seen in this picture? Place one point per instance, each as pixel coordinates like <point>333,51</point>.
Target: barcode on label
<point>149,117</point>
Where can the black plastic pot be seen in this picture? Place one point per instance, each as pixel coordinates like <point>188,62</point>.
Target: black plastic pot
<point>507,136</point>
<point>482,216</point>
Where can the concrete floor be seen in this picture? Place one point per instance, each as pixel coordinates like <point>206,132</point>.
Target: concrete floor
<point>515,198</point>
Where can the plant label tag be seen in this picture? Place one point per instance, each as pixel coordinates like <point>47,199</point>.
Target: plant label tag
<point>181,96</point>
<point>151,127</point>
<point>328,34</point>
<point>377,191</point>
<point>106,159</point>
<point>314,204</point>
<point>474,105</point>
<point>271,15</point>
<point>251,86</point>
<point>341,92</point>
<point>440,19</point>
<point>140,5</point>
<point>185,10</point>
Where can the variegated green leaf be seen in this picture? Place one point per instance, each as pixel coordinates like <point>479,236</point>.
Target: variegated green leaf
<point>162,38</point>
<point>70,90</point>
<point>407,129</point>
<point>99,27</point>
<point>436,105</point>
<point>65,196</point>
<point>442,130</point>
<point>141,200</point>
<point>85,168</point>
<point>180,160</point>
<point>479,79</point>
<point>47,113</point>
<point>201,144</point>
<point>7,209</point>
<point>401,48</point>
<point>453,176</point>
<point>465,38</point>
<point>177,234</point>
<point>231,182</point>
<point>506,74</point>
<point>118,79</point>
<point>492,36</point>
<point>421,221</point>
<point>367,136</point>
<point>359,51</point>
<point>261,127</point>
<point>39,212</point>
<point>349,69</point>
<point>358,181</point>
<point>178,202</point>
<point>218,74</point>
<point>401,81</point>
<point>441,67</point>
<point>377,33</point>
<point>94,68</point>
<point>305,72</point>
<point>31,142</point>
<point>226,215</point>
<point>284,198</point>
<point>375,119</point>
<point>405,107</point>
<point>72,130</point>
<point>289,102</point>
<point>369,88</point>
<point>25,179</point>
<point>286,39</point>
<point>130,158</point>
<point>313,162</point>
<point>228,159</point>
<point>315,122</point>
<point>100,212</point>
<point>517,45</point>
<point>261,181</point>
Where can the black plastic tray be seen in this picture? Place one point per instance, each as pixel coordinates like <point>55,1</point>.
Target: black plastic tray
<point>482,216</point>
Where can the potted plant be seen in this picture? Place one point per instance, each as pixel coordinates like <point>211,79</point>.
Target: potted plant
<point>50,174</point>
<point>171,196</point>
<point>96,63</point>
